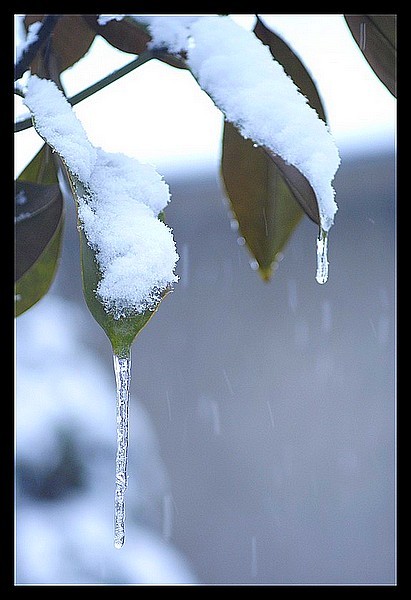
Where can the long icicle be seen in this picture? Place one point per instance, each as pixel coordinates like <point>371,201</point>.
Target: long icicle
<point>122,370</point>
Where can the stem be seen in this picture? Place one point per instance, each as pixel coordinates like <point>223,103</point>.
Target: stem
<point>96,87</point>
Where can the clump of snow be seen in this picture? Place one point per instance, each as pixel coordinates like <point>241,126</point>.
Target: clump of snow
<point>25,40</point>
<point>104,19</point>
<point>56,122</point>
<point>114,172</point>
<point>253,91</point>
<point>170,32</point>
<point>135,250</point>
<point>256,94</point>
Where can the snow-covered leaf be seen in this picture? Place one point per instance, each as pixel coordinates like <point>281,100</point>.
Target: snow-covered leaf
<point>299,185</point>
<point>255,94</point>
<point>262,187</point>
<point>376,36</point>
<point>292,65</point>
<point>128,35</point>
<point>130,263</point>
<point>121,332</point>
<point>296,181</point>
<point>38,231</point>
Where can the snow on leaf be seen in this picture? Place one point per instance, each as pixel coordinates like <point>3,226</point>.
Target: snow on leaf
<point>119,200</point>
<point>255,94</point>
<point>171,32</point>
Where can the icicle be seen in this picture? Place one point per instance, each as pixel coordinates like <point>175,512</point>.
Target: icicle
<point>322,261</point>
<point>122,370</point>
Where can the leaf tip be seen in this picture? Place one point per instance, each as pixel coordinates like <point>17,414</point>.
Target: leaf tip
<point>265,273</point>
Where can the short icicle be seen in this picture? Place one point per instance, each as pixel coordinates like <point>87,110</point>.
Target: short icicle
<point>322,259</point>
<point>122,370</point>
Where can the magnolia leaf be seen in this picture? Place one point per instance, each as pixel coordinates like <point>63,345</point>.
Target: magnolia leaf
<point>38,212</point>
<point>130,36</point>
<point>38,230</point>
<point>36,281</point>
<point>376,37</point>
<point>69,41</point>
<point>126,35</point>
<point>266,193</point>
<point>262,201</point>
<point>302,190</point>
<point>42,168</point>
<point>120,331</point>
<point>299,185</point>
<point>292,66</point>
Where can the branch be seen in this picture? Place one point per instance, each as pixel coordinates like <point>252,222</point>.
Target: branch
<point>96,87</point>
<point>48,24</point>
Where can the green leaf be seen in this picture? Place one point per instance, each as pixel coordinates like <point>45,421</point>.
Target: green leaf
<point>36,281</point>
<point>121,332</point>
<point>262,201</point>
<point>38,230</point>
<point>38,213</point>
<point>299,186</point>
<point>42,169</point>
<point>302,190</point>
<point>376,36</point>
<point>267,195</point>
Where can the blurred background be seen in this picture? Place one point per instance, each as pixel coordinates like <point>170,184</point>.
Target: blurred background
<point>262,443</point>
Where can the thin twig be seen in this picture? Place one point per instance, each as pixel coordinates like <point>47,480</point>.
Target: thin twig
<point>99,85</point>
<point>96,87</point>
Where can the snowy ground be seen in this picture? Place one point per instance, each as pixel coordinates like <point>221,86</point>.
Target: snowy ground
<point>263,415</point>
<point>65,465</point>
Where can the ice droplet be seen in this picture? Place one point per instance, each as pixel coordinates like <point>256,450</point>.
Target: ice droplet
<point>234,224</point>
<point>254,264</point>
<point>122,371</point>
<point>363,35</point>
<point>322,260</point>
